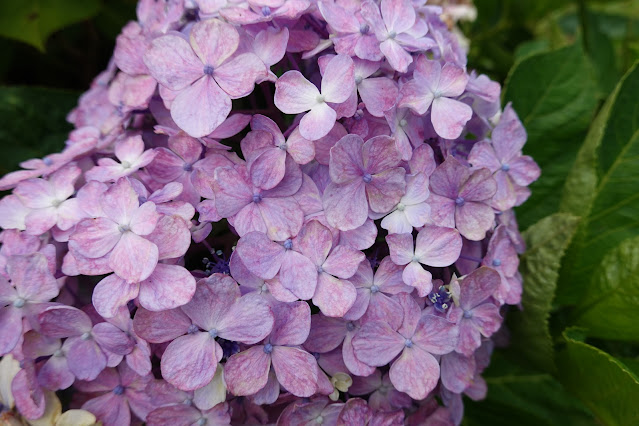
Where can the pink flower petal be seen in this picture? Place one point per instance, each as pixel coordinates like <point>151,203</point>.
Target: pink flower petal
<point>93,238</point>
<point>84,357</point>
<point>376,343</point>
<point>333,296</point>
<point>111,293</point>
<point>112,339</point>
<point>160,327</point>
<point>298,275</point>
<point>267,169</point>
<point>11,331</point>
<point>189,362</point>
<point>110,409</point>
<point>318,122</point>
<point>473,220</point>
<point>260,255</point>
<point>64,321</point>
<point>248,320</point>
<point>133,258</point>
<point>438,246</point>
<point>245,373</point>
<point>296,370</point>
<point>237,76</point>
<point>294,94</point>
<point>458,371</point>
<point>401,248</point>
<point>449,117</point>
<point>214,41</point>
<point>338,80</point>
<point>343,262</point>
<point>168,287</point>
<point>416,373</point>
<point>345,205</point>
<point>379,94</point>
<point>397,57</point>
<point>416,276</point>
<point>201,107</point>
<point>172,63</point>
<point>214,297</point>
<point>435,334</point>
<point>292,323</point>
<point>144,219</point>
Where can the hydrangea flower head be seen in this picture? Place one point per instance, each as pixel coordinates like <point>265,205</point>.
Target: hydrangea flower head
<point>269,212</point>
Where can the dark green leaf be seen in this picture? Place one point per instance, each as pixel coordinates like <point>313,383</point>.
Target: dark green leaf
<point>554,94</point>
<point>32,123</point>
<point>603,383</point>
<point>526,400</point>
<point>608,169</point>
<point>609,308</point>
<point>530,337</point>
<point>32,21</point>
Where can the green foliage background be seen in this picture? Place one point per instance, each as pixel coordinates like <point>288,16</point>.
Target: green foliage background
<point>570,69</point>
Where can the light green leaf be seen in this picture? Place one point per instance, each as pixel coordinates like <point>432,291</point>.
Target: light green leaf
<point>603,383</point>
<point>609,309</point>
<point>530,337</point>
<point>603,188</point>
<point>33,123</point>
<point>554,94</point>
<point>32,21</point>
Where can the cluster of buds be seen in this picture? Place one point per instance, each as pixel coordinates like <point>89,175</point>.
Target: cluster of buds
<point>270,211</point>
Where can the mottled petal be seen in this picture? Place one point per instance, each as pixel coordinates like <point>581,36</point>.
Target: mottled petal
<point>245,373</point>
<point>296,370</point>
<point>189,362</point>
<point>416,373</point>
<point>376,343</point>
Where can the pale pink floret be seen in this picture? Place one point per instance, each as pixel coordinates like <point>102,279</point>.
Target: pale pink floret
<point>88,347</point>
<point>216,310</point>
<point>412,211</point>
<point>296,370</point>
<point>375,292</point>
<point>421,335</point>
<point>460,198</point>
<point>397,31</point>
<point>120,234</point>
<point>49,201</point>
<point>474,311</point>
<point>434,246</point>
<point>269,260</point>
<point>131,155</point>
<point>362,175</point>
<point>334,294</point>
<point>31,286</point>
<point>204,73</point>
<point>117,393</point>
<point>433,87</point>
<point>294,94</point>
<point>502,156</point>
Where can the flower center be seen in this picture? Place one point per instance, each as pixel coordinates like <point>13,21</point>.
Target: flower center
<point>19,303</point>
<point>47,161</point>
<point>213,333</point>
<point>320,99</point>
<point>208,70</point>
<point>496,262</point>
<point>319,419</point>
<point>283,147</point>
<point>468,314</point>
<point>505,167</point>
<point>266,11</point>
<point>187,167</point>
<point>460,201</point>
<point>86,336</point>
<point>358,79</point>
<point>58,353</point>
<point>392,35</point>
<point>403,122</point>
<point>401,207</point>
<point>268,348</point>
<point>350,326</point>
<point>364,29</point>
<point>257,198</point>
<point>288,244</point>
<point>202,421</point>
<point>118,390</point>
<point>408,343</point>
<point>374,288</point>
<point>440,299</point>
<point>192,329</point>
<point>320,269</point>
<point>124,228</point>
<point>367,178</point>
